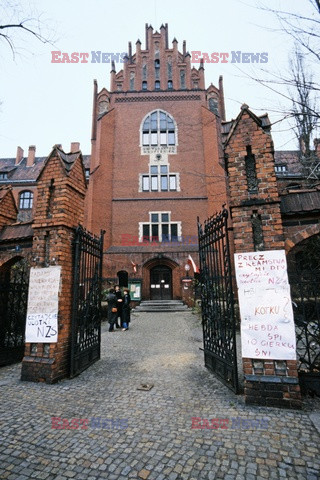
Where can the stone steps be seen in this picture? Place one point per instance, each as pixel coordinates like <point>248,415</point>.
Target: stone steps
<point>161,306</point>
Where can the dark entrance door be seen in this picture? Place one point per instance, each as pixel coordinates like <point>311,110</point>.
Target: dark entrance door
<point>161,283</point>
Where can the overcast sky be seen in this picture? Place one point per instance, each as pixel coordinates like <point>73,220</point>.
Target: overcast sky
<point>45,103</point>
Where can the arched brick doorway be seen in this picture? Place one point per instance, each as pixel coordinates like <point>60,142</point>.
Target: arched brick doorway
<point>161,271</point>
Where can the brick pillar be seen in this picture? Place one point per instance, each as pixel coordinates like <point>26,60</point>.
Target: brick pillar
<point>60,208</point>
<point>255,211</point>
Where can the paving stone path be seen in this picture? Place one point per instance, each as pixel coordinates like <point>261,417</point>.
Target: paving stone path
<point>147,434</point>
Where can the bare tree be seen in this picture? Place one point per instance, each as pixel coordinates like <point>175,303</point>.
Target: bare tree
<point>304,29</point>
<point>19,23</point>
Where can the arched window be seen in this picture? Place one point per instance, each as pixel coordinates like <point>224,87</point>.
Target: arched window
<point>158,129</point>
<point>123,278</point>
<point>26,200</point>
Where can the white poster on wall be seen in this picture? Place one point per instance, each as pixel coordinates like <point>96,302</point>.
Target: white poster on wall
<point>268,268</point>
<point>267,323</point>
<point>267,326</point>
<point>43,304</point>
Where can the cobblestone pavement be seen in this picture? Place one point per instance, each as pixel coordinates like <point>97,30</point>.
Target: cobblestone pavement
<point>158,443</point>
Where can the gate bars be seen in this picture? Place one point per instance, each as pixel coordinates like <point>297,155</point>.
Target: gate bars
<point>86,308</point>
<point>217,300</point>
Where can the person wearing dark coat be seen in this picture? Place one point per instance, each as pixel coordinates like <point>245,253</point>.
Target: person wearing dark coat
<point>126,310</point>
<point>120,301</point>
<point>112,309</point>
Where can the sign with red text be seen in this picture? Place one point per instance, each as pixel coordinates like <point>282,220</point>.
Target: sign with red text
<point>268,268</point>
<point>42,312</point>
<point>267,324</point>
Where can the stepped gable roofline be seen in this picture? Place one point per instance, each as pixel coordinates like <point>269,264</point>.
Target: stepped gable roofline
<point>229,127</point>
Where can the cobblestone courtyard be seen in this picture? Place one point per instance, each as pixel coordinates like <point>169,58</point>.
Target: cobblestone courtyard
<point>160,349</point>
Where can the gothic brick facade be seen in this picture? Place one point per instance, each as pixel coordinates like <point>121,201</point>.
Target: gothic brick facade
<point>155,163</point>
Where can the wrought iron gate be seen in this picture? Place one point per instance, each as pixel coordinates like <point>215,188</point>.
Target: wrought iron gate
<point>86,309</point>
<point>14,284</point>
<point>217,301</point>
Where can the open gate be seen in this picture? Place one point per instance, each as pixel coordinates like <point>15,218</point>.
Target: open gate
<point>86,308</point>
<point>217,301</point>
<point>14,282</point>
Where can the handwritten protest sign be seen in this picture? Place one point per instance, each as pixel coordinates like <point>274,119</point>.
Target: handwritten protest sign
<point>42,312</point>
<point>267,268</point>
<point>267,325</point>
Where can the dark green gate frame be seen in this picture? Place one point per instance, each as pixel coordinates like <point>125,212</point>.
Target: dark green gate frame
<point>86,307</point>
<point>217,300</point>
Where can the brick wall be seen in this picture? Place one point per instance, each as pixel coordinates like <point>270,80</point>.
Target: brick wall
<point>8,209</point>
<point>254,195</point>
<point>60,208</point>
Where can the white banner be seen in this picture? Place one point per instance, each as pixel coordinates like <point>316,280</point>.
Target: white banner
<point>267,324</point>
<point>261,268</point>
<point>42,313</point>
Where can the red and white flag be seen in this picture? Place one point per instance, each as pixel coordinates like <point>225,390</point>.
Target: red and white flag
<point>194,266</point>
<point>134,266</point>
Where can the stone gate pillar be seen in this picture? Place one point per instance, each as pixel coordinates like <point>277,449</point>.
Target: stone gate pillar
<point>255,211</point>
<point>60,208</point>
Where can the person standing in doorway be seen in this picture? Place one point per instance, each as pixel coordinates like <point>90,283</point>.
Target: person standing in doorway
<point>112,309</point>
<point>126,309</point>
<point>120,302</point>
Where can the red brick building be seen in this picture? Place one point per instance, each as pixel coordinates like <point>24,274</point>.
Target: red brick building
<point>155,164</point>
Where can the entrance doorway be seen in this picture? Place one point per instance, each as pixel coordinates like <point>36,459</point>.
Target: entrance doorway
<point>161,283</point>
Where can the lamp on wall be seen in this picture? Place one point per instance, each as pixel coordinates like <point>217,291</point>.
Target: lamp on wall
<point>187,268</point>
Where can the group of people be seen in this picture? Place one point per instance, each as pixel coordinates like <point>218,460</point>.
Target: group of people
<point>118,309</point>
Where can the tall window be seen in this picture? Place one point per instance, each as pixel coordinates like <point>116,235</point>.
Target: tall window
<point>25,200</point>
<point>182,79</point>
<point>158,129</point>
<point>160,228</point>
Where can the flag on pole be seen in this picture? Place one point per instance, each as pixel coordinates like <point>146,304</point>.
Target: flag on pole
<point>194,266</point>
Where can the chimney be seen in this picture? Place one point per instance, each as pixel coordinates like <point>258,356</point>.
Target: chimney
<point>19,155</point>
<point>316,143</point>
<point>31,155</point>
<point>75,147</point>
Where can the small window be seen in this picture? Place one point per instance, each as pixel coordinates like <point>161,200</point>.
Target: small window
<point>144,85</point>
<point>87,172</point>
<point>145,183</point>
<point>3,175</point>
<point>154,169</point>
<point>154,183</point>
<point>165,217</point>
<point>164,183</point>
<point>146,233</point>
<point>157,85</point>
<point>174,232</point>
<point>26,200</point>
<point>154,217</point>
<point>173,182</point>
<point>170,85</point>
<point>157,63</point>
<point>163,168</point>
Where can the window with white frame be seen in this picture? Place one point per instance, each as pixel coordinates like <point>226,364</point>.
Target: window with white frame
<point>25,200</point>
<point>280,168</point>
<point>159,179</point>
<point>158,129</point>
<point>160,228</point>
